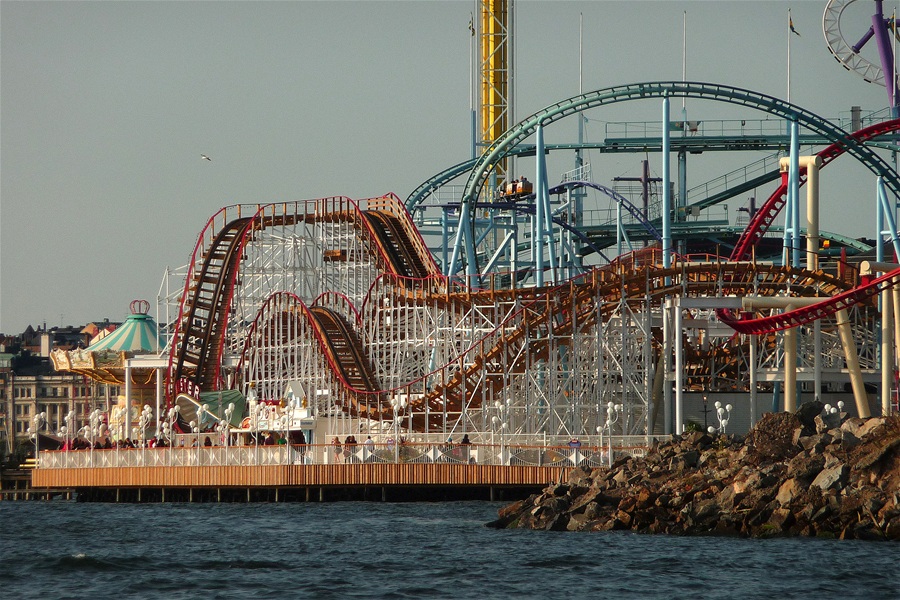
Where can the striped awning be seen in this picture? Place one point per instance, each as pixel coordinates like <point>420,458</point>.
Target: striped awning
<point>138,333</point>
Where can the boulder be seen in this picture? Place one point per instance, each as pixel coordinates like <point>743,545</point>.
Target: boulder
<point>783,478</point>
<point>807,415</point>
<point>789,490</point>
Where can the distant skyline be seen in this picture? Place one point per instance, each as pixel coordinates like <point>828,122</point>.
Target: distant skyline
<point>107,108</point>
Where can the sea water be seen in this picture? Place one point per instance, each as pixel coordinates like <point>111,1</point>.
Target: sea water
<point>84,551</point>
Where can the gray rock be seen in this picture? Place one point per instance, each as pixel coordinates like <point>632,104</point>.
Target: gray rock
<point>833,478</point>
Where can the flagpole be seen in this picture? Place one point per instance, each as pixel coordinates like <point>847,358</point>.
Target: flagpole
<point>894,61</point>
<point>789,57</point>
<point>683,56</point>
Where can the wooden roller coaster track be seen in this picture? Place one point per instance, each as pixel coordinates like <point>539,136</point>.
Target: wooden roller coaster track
<point>199,339</point>
<point>579,305</point>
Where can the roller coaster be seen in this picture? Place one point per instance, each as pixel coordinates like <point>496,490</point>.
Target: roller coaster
<point>343,302</point>
<point>376,324</point>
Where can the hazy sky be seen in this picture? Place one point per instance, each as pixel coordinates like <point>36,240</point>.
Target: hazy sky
<point>106,107</point>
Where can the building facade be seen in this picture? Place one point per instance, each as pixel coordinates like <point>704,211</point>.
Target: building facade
<point>30,386</point>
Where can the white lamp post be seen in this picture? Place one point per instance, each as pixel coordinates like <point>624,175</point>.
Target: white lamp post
<point>395,404</point>
<point>612,415</point>
<point>93,430</point>
<point>399,405</point>
<point>168,426</point>
<point>253,407</point>
<point>143,422</point>
<point>498,422</point>
<point>285,421</point>
<point>37,421</point>
<point>723,413</point>
<point>68,430</point>
<point>224,426</point>
<point>201,411</point>
<point>833,410</point>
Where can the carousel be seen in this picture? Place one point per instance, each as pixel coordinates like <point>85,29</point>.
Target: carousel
<point>111,360</point>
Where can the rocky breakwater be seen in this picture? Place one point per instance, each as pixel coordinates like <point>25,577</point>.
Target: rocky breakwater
<point>801,474</point>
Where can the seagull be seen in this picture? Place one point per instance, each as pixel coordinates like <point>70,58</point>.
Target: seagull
<point>205,157</point>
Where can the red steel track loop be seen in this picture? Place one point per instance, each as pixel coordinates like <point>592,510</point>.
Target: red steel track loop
<point>813,312</point>
<point>760,224</point>
<point>766,214</point>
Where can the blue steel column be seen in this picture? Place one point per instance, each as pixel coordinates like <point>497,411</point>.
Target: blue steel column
<point>885,218</point>
<point>794,193</point>
<point>445,238</point>
<point>667,194</point>
<point>543,196</point>
<point>787,242</point>
<point>538,237</point>
<point>459,238</point>
<point>464,238</point>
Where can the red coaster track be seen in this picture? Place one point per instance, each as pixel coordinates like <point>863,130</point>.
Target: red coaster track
<point>760,224</point>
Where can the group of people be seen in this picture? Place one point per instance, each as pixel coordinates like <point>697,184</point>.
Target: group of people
<point>273,438</point>
<point>107,443</point>
<point>270,438</point>
<point>348,450</point>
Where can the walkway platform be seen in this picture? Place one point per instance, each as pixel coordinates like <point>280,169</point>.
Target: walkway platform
<point>387,482</point>
<point>309,473</point>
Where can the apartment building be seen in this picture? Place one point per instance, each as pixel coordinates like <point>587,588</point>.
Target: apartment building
<point>29,386</point>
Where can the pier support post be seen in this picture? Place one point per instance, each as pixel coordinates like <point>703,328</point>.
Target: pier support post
<point>852,358</point>
<point>679,368</point>
<point>753,341</point>
<point>887,350</point>
<point>790,368</point>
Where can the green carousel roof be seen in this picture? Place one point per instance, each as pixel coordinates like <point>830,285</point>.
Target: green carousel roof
<point>138,333</point>
<point>105,359</point>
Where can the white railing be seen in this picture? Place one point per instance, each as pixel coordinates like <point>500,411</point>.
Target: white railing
<point>476,454</point>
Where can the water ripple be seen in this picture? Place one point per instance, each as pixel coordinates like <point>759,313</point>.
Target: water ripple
<point>402,551</point>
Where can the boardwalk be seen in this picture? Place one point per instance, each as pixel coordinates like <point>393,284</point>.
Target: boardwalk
<point>311,473</point>
<point>306,482</point>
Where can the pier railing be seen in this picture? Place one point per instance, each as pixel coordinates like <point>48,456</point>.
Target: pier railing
<point>326,454</point>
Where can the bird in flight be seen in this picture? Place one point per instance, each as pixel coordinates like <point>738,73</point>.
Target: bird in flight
<point>205,157</point>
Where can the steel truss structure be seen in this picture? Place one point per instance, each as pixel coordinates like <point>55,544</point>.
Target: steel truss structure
<point>339,305</point>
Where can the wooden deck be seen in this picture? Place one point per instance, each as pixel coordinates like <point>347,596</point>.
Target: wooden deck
<point>300,482</point>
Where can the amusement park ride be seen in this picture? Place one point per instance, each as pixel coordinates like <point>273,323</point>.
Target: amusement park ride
<point>501,306</point>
